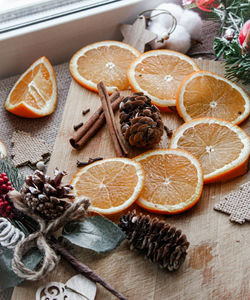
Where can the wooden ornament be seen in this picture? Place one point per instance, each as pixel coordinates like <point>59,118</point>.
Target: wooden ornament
<point>136,34</point>
<point>76,288</point>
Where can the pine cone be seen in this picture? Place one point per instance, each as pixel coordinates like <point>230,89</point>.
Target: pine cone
<point>141,122</point>
<point>159,241</point>
<point>46,196</point>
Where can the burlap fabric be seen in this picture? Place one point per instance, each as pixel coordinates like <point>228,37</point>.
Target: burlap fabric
<point>45,128</point>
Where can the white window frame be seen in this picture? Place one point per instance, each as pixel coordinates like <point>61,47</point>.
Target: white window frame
<point>59,38</point>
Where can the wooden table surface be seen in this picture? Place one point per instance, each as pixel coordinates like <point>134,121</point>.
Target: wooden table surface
<point>218,261</point>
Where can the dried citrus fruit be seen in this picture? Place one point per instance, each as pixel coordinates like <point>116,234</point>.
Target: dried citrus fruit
<point>159,73</point>
<point>222,147</point>
<point>173,181</point>
<point>205,94</point>
<point>112,185</point>
<point>105,61</point>
<point>3,150</point>
<point>34,95</point>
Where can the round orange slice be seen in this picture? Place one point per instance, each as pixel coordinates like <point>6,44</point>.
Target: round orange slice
<point>222,147</point>
<point>206,94</point>
<point>173,181</point>
<point>112,185</point>
<point>3,150</point>
<point>105,61</point>
<point>159,73</point>
<point>34,95</point>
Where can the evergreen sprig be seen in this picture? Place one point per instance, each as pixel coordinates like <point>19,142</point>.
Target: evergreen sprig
<point>232,14</point>
<point>15,177</point>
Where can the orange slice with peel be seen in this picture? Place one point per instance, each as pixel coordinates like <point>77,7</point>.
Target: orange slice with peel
<point>222,147</point>
<point>112,185</point>
<point>173,181</point>
<point>34,95</point>
<point>159,73</point>
<point>206,94</point>
<point>105,61</point>
<point>3,150</point>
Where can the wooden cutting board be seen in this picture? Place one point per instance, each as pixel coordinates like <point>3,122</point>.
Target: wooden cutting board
<point>218,261</point>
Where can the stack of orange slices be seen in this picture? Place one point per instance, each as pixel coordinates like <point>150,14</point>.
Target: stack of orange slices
<point>209,147</point>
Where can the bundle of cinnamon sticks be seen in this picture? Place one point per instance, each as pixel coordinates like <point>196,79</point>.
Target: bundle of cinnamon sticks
<point>104,114</point>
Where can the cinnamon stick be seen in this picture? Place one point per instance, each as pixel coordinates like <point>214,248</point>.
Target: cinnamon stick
<point>95,122</point>
<point>120,149</point>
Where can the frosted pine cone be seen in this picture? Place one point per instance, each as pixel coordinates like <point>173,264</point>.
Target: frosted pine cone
<point>159,241</point>
<point>46,196</point>
<point>140,120</point>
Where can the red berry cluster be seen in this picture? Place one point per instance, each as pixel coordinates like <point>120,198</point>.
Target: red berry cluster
<point>6,207</point>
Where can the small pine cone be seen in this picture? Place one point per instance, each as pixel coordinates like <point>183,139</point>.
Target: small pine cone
<point>140,120</point>
<point>46,196</point>
<point>159,241</point>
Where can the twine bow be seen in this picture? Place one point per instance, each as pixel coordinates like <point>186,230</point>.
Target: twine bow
<point>40,239</point>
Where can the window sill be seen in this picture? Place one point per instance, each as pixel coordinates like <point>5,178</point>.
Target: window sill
<point>58,39</point>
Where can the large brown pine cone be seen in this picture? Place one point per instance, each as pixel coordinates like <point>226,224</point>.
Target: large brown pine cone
<point>140,120</point>
<point>46,196</point>
<point>159,241</point>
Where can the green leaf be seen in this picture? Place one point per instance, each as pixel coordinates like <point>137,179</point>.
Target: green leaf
<point>8,277</point>
<point>97,233</point>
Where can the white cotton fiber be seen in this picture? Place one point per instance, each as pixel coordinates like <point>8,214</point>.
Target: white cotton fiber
<point>158,29</point>
<point>180,40</point>
<point>192,22</point>
<point>165,19</point>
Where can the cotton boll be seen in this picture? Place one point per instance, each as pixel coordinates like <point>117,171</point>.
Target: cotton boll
<point>165,19</point>
<point>180,40</point>
<point>158,29</point>
<point>192,22</point>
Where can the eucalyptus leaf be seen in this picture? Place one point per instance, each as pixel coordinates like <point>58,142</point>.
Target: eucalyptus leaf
<point>97,233</point>
<point>8,277</point>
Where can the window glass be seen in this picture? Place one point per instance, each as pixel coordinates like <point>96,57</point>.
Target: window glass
<point>20,13</point>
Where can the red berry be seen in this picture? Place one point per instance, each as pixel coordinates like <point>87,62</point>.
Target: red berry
<point>206,5</point>
<point>8,209</point>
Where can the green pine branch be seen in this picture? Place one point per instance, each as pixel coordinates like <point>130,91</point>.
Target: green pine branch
<point>15,177</point>
<point>232,14</point>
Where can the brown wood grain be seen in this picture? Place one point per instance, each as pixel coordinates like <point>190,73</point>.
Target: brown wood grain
<point>218,261</point>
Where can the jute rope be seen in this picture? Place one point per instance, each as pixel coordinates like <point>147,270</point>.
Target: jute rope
<point>76,211</point>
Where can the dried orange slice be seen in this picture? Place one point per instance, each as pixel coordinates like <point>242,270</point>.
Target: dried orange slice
<point>34,95</point>
<point>112,185</point>
<point>222,147</point>
<point>3,150</point>
<point>206,94</point>
<point>159,73</point>
<point>105,61</point>
<point>173,181</point>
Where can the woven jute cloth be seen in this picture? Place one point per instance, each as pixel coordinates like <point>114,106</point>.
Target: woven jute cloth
<point>44,128</point>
